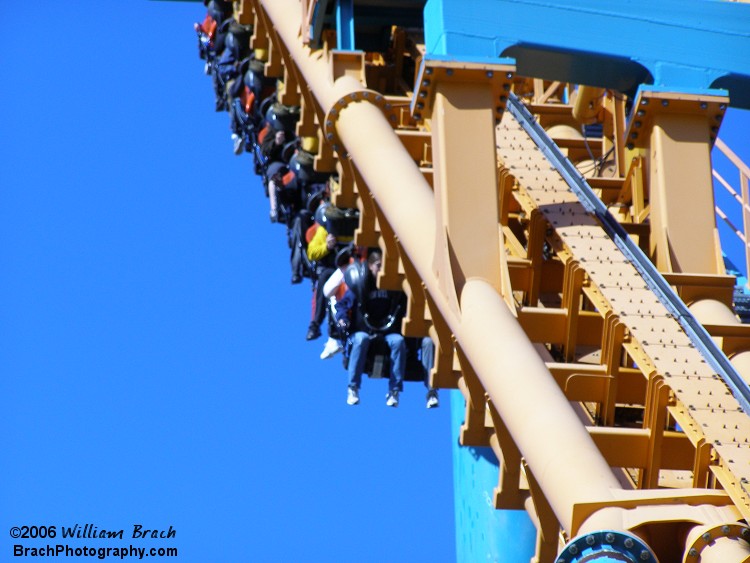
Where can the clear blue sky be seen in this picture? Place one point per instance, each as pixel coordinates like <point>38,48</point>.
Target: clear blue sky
<point>154,365</point>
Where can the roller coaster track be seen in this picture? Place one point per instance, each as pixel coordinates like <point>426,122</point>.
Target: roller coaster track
<point>620,422</point>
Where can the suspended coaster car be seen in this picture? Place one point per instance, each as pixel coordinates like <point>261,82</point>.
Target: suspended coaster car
<point>378,362</point>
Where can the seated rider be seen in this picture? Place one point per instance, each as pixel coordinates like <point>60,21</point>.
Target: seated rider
<point>372,313</point>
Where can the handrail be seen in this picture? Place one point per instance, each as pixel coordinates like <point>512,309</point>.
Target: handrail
<point>742,198</point>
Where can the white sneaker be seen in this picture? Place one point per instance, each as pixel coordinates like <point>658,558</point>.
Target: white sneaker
<point>432,399</point>
<point>238,143</point>
<point>331,348</point>
<point>391,399</point>
<point>352,396</point>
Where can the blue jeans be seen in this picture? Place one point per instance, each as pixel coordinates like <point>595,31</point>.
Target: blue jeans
<point>428,359</point>
<point>358,356</point>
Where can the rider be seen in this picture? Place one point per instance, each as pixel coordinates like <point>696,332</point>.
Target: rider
<point>374,312</point>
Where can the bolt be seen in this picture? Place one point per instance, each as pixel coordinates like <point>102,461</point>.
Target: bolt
<point>665,103</point>
<point>722,107</point>
<point>329,123</point>
<point>704,105</point>
<point>706,537</point>
<point>693,552</point>
<point>503,99</point>
<point>422,94</point>
<point>590,540</point>
<point>725,529</point>
<point>745,532</point>
<point>637,124</point>
<point>644,102</point>
<point>490,74</point>
<point>509,75</point>
<point>329,136</point>
<point>609,537</point>
<point>449,72</point>
<point>629,542</point>
<point>645,555</point>
<point>420,105</point>
<point>428,71</point>
<point>634,135</point>
<point>425,83</point>
<point>640,113</point>
<point>573,549</point>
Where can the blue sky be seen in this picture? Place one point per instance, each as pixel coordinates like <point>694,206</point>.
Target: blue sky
<point>154,361</point>
<point>154,355</point>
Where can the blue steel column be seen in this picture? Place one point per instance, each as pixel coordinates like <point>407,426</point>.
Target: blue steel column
<point>484,533</point>
<point>345,25</point>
